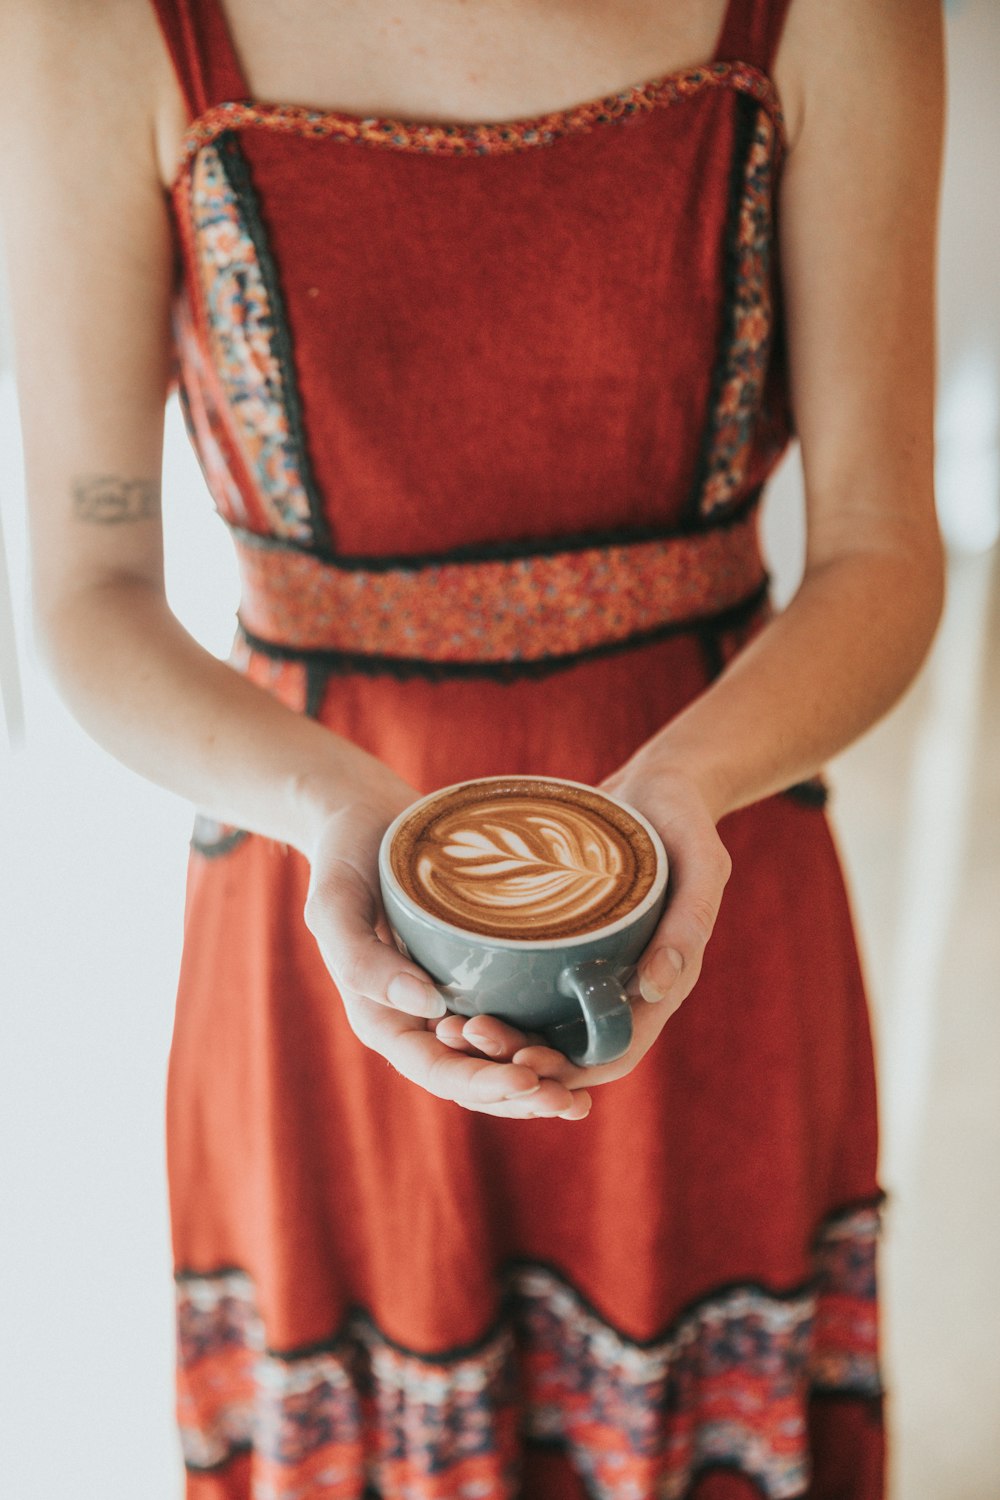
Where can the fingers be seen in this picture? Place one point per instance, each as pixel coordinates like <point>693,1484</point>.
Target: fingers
<point>479,1084</point>
<point>700,868</point>
<point>473,1082</point>
<point>390,1003</point>
<point>487,1035</point>
<point>547,1062</point>
<point>451,1031</point>
<point>342,913</point>
<point>578,1110</point>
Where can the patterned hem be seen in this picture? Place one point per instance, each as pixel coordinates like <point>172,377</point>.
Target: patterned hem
<point>727,1385</point>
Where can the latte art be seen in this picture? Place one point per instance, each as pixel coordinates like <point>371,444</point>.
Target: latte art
<point>529,859</point>
<point>513,860</point>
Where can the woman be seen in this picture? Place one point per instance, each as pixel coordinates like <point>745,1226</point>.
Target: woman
<point>432,367</point>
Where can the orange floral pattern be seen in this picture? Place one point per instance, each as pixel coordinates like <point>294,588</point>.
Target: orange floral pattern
<point>752,320</point>
<point>519,609</point>
<point>239,321</point>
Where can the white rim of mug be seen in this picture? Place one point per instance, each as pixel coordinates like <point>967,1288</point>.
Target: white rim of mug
<point>649,900</point>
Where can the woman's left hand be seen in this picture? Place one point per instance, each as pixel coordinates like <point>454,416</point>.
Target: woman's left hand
<point>668,970</point>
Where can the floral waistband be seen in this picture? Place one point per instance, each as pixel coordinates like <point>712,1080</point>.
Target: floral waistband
<point>554,603</point>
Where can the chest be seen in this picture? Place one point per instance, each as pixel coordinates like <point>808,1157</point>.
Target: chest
<point>452,59</point>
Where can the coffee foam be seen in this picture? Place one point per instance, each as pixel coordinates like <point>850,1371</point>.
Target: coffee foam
<point>524,859</point>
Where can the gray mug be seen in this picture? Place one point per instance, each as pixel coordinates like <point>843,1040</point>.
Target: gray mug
<point>571,989</point>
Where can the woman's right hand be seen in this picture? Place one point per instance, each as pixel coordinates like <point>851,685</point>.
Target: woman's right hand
<point>392,1005</point>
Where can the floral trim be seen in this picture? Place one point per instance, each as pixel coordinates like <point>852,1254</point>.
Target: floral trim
<point>477,138</point>
<point>242,324</point>
<point>549,605</point>
<point>204,419</point>
<point>727,1386</point>
<point>742,371</point>
<point>846,1320</point>
<point>322,665</point>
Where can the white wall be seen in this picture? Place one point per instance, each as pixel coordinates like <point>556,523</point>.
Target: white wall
<point>92,865</point>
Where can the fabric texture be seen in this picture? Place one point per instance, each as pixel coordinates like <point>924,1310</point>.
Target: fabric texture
<point>533,373</point>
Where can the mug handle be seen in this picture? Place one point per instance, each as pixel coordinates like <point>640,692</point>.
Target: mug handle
<point>603,1030</point>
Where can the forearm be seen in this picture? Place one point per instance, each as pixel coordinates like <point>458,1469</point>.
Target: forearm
<point>156,700</point>
<point>817,676</point>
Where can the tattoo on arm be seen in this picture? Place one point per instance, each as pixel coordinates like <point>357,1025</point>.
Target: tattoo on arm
<point>107,499</point>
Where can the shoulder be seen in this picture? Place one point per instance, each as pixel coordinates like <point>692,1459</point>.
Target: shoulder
<point>67,38</point>
<point>856,61</point>
<point>83,70</point>
<point>857,229</point>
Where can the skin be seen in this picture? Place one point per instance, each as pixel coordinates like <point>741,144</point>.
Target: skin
<point>89,251</point>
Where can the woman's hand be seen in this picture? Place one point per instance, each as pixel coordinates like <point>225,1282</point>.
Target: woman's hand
<point>391,1003</point>
<point>699,867</point>
<point>668,970</point>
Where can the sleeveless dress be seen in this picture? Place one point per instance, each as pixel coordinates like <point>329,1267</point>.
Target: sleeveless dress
<point>488,409</point>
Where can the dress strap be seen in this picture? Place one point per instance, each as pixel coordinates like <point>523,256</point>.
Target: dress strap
<point>201,47</point>
<point>751,32</point>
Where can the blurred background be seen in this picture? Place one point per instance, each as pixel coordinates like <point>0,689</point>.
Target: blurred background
<point>92,863</point>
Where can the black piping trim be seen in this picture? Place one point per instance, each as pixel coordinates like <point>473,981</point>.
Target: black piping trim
<point>711,650</point>
<point>224,845</point>
<point>500,551</point>
<point>355,1313</point>
<point>874,1399</point>
<point>342,662</point>
<point>238,1450</point>
<point>317,677</point>
<point>237,170</point>
<point>813,793</point>
<point>746,124</point>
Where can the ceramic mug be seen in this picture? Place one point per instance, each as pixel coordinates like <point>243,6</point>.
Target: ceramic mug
<point>570,989</point>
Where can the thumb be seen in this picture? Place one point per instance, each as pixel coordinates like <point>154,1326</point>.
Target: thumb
<point>700,866</point>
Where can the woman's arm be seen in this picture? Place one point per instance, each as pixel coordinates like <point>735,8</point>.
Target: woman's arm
<point>83,84</point>
<point>90,258</point>
<point>858,216</point>
<point>863,86</point>
<point>858,236</point>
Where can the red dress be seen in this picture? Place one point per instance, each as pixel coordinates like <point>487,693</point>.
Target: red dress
<point>488,410</point>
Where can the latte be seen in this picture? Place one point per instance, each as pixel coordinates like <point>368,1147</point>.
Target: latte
<point>524,858</point>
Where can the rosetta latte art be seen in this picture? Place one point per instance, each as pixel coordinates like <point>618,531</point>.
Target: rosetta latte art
<point>529,867</point>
